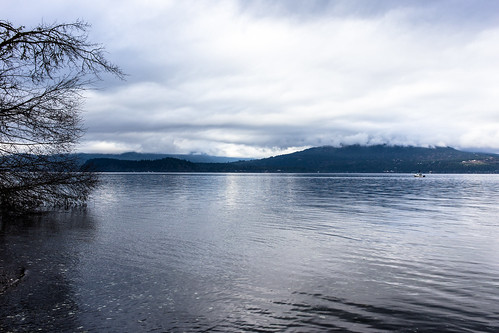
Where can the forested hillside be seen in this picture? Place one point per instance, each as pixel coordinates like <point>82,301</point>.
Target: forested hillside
<point>362,159</point>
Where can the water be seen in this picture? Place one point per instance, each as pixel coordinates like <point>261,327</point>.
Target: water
<point>263,253</point>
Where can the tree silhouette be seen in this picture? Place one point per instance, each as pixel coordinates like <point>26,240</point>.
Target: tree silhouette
<point>43,72</point>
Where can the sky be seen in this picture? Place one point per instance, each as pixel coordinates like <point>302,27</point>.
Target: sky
<point>266,77</point>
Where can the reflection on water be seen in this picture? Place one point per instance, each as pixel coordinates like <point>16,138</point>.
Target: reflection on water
<point>241,252</point>
<point>48,248</point>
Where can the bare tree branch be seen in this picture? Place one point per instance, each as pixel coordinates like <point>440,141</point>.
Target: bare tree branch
<point>42,74</point>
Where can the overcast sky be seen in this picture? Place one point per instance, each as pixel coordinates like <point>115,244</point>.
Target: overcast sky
<point>261,78</point>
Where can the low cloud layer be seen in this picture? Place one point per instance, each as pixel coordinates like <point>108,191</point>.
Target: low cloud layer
<point>261,78</point>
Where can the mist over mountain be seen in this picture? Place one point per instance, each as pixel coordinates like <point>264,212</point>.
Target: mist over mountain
<point>351,159</point>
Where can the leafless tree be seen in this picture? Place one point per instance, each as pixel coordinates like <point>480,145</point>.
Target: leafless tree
<point>43,72</point>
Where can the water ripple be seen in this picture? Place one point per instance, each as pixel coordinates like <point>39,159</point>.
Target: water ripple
<point>263,253</point>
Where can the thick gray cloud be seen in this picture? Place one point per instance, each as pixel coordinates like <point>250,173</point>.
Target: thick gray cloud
<point>258,78</point>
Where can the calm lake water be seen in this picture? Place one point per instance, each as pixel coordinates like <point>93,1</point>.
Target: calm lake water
<point>261,252</point>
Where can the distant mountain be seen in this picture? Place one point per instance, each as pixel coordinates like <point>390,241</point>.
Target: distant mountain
<point>133,156</point>
<point>378,158</point>
<point>354,159</point>
<point>167,164</point>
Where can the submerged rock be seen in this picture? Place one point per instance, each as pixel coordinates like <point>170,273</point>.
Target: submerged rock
<point>10,277</point>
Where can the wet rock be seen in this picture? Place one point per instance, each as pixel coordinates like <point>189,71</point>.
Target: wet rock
<point>10,277</point>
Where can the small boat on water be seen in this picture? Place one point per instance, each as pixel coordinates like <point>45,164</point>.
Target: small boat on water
<point>419,175</point>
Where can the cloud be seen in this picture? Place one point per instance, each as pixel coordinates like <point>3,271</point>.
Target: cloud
<point>266,77</point>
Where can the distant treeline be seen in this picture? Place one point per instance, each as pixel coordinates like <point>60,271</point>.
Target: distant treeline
<point>352,159</point>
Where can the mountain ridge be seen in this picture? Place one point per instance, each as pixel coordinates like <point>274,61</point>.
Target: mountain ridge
<point>134,156</point>
<point>346,159</point>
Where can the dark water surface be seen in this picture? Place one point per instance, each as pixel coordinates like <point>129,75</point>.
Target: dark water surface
<point>263,253</point>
